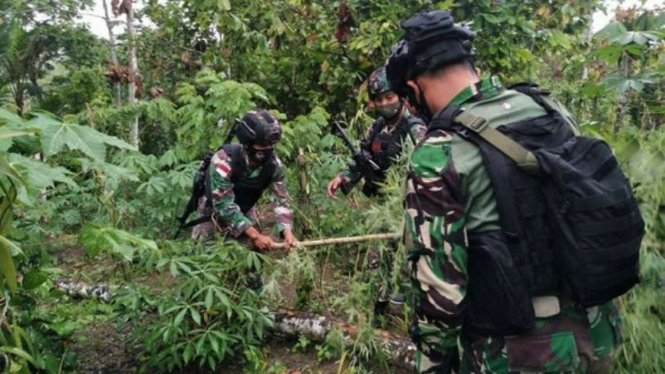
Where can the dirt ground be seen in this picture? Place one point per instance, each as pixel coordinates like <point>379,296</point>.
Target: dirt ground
<point>100,349</point>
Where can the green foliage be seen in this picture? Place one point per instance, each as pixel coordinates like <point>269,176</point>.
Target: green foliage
<point>96,239</point>
<point>72,92</point>
<point>209,314</point>
<point>203,104</point>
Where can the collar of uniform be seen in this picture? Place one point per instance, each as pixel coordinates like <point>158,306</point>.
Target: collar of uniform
<point>485,88</point>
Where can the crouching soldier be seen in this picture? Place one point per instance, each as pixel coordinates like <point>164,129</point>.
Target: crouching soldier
<point>237,177</point>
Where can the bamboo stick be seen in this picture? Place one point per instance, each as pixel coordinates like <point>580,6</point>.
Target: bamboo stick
<point>344,240</point>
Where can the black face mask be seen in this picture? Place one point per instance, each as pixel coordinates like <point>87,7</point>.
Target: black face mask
<point>259,157</point>
<point>420,104</point>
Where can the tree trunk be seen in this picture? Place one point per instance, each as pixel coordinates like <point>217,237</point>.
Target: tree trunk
<point>100,291</point>
<point>624,68</point>
<point>133,72</point>
<point>114,56</point>
<point>400,350</point>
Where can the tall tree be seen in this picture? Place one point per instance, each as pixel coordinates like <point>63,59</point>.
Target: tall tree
<point>114,55</point>
<point>135,84</point>
<point>22,60</point>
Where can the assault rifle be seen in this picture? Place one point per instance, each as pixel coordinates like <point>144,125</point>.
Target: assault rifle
<point>367,169</point>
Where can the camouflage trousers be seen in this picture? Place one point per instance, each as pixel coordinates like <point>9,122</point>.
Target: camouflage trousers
<point>576,340</point>
<point>207,232</point>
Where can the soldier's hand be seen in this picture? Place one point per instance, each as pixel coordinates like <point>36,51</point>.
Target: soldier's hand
<point>333,186</point>
<point>264,242</point>
<point>289,239</point>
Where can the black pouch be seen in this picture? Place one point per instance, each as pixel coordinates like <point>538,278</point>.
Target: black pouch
<point>497,301</point>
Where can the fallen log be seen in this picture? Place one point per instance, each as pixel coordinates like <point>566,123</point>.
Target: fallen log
<point>287,323</point>
<point>291,323</point>
<point>100,291</point>
<point>345,240</point>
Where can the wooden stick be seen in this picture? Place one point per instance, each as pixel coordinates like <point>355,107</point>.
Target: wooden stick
<point>345,240</point>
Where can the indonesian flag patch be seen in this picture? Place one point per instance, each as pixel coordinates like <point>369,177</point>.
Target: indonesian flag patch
<point>223,169</point>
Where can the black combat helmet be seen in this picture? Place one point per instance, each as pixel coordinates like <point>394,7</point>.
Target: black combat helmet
<point>431,40</point>
<point>259,127</point>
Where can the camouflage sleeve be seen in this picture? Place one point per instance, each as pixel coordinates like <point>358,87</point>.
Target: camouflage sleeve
<point>435,237</point>
<point>418,131</point>
<point>279,199</point>
<point>349,173</point>
<point>223,198</point>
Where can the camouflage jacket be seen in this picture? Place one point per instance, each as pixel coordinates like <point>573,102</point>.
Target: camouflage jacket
<point>223,197</point>
<point>453,197</point>
<point>416,132</point>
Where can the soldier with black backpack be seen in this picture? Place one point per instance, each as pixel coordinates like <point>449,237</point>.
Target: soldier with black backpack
<point>232,180</point>
<point>521,232</point>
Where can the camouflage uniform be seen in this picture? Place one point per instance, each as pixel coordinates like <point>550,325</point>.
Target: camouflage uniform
<point>229,216</point>
<point>383,260</point>
<point>448,193</point>
<point>416,132</point>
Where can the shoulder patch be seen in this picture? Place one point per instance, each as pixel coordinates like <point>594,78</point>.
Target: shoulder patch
<point>222,163</point>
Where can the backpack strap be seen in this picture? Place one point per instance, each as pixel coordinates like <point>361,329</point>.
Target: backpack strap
<point>544,98</point>
<point>478,125</point>
<point>238,163</point>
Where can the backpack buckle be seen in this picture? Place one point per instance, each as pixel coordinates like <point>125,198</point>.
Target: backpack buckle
<point>478,124</point>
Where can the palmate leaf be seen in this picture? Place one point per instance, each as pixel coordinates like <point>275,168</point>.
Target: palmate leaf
<point>622,84</point>
<point>9,133</point>
<point>11,118</point>
<point>56,135</point>
<point>614,30</point>
<point>114,172</point>
<point>7,170</point>
<point>12,126</point>
<point>97,238</point>
<point>39,175</point>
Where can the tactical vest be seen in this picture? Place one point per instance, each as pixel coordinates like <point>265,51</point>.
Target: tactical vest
<point>536,253</point>
<point>385,148</point>
<point>247,191</point>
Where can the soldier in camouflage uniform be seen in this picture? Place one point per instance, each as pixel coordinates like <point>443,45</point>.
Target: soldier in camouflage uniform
<point>449,201</point>
<point>383,142</point>
<point>384,138</point>
<point>236,179</point>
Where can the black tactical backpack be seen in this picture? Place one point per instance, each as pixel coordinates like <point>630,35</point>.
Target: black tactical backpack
<point>198,191</point>
<point>594,225</point>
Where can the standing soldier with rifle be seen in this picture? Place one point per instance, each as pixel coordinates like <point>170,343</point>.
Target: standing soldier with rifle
<point>382,145</point>
<point>380,149</point>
